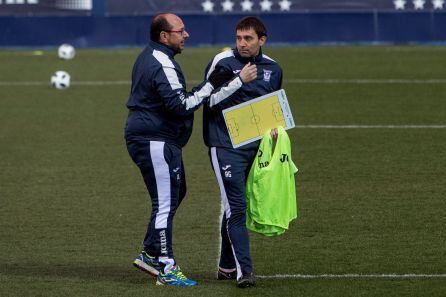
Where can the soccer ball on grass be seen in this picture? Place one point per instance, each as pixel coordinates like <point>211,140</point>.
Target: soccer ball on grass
<point>60,80</point>
<point>66,52</point>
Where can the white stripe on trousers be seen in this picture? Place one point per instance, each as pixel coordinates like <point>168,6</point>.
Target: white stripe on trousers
<point>225,202</point>
<point>162,177</point>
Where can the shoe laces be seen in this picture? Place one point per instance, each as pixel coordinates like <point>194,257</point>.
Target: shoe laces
<point>179,273</point>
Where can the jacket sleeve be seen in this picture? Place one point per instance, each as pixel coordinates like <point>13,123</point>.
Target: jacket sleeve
<point>280,78</point>
<point>222,97</point>
<point>175,98</point>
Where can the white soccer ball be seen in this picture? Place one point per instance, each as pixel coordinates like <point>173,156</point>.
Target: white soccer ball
<point>60,80</point>
<point>66,51</point>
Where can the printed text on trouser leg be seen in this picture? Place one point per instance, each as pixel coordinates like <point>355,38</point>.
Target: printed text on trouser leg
<point>163,242</point>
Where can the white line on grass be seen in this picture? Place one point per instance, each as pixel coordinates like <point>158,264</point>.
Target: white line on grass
<point>351,276</point>
<point>371,126</point>
<point>366,81</point>
<point>77,83</point>
<point>355,81</point>
<point>23,83</point>
<point>101,83</point>
<point>289,81</point>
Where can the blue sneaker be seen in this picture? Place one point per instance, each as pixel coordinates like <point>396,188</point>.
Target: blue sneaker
<point>148,264</point>
<point>174,277</point>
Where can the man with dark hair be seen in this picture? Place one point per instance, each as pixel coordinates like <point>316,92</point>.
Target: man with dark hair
<point>231,166</point>
<point>252,23</point>
<point>159,124</point>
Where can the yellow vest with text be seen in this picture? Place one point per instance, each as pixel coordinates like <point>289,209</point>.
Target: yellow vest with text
<point>270,188</point>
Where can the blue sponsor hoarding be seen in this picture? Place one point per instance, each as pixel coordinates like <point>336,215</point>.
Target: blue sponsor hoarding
<point>88,23</point>
<point>150,7</point>
<point>141,7</point>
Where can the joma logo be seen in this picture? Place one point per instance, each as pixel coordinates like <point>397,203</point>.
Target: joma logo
<point>163,242</point>
<point>284,158</point>
<point>263,164</point>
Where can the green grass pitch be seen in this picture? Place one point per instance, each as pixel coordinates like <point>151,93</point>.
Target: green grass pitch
<point>73,207</point>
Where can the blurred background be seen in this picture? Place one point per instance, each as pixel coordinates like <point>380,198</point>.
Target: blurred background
<point>102,23</point>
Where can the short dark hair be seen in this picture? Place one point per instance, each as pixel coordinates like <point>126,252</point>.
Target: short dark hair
<point>254,23</point>
<point>159,23</point>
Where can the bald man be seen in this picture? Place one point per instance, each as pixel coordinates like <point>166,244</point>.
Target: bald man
<point>158,126</point>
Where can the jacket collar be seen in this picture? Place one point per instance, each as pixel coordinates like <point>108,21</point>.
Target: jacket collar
<point>254,59</point>
<point>162,47</point>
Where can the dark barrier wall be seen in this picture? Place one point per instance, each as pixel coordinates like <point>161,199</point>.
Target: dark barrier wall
<point>147,7</point>
<point>326,27</point>
<point>135,7</point>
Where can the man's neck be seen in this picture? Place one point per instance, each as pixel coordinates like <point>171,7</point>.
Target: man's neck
<point>172,51</point>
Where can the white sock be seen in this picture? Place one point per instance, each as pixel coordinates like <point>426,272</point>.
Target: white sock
<point>168,262</point>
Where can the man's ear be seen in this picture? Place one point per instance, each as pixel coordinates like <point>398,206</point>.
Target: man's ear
<point>163,37</point>
<point>262,40</point>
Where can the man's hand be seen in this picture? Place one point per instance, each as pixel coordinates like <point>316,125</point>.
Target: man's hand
<point>248,73</point>
<point>217,79</point>
<point>274,133</point>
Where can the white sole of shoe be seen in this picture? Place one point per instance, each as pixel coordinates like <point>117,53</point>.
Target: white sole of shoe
<point>146,268</point>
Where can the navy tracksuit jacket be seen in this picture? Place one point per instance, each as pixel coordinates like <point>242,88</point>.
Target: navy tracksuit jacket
<point>158,126</point>
<point>231,166</point>
<point>160,107</point>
